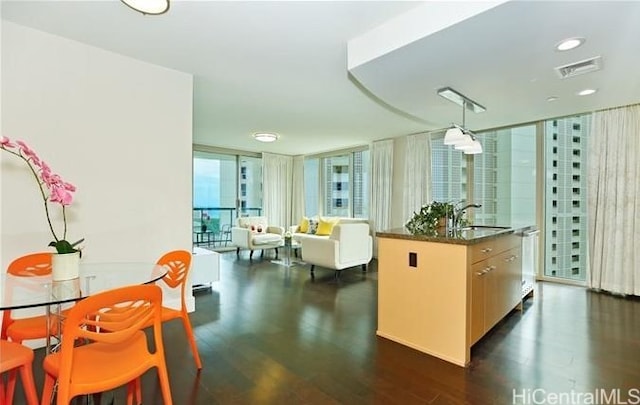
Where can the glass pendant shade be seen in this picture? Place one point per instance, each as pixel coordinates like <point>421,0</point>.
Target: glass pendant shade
<point>148,6</point>
<point>475,149</point>
<point>454,136</point>
<point>470,146</point>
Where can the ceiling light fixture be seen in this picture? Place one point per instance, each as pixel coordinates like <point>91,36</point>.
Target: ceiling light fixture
<point>153,7</point>
<point>265,137</point>
<point>569,43</point>
<point>452,95</point>
<point>586,92</point>
<point>458,136</point>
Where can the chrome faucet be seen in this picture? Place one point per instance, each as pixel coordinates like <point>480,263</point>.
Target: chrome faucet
<point>458,212</point>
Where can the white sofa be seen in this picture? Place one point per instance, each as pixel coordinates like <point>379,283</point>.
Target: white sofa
<point>348,245</point>
<point>255,233</point>
<point>298,236</point>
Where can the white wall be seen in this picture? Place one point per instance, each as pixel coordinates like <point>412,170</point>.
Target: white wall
<point>117,128</point>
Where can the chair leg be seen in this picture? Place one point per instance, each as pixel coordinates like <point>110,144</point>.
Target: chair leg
<point>276,253</point>
<point>192,340</point>
<point>26,374</point>
<point>238,252</point>
<point>10,388</point>
<point>262,253</point>
<point>251,255</point>
<point>313,266</point>
<point>364,268</point>
<point>47,390</point>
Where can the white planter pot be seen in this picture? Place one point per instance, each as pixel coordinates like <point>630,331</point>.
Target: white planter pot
<point>65,266</point>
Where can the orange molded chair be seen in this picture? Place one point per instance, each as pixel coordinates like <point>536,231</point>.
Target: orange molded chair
<point>178,263</point>
<point>20,329</point>
<point>116,353</point>
<point>13,358</point>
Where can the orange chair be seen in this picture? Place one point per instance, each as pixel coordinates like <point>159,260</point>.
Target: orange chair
<point>116,352</point>
<point>178,263</point>
<point>13,358</point>
<point>20,329</point>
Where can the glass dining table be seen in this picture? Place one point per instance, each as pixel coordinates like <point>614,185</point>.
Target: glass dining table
<point>41,291</point>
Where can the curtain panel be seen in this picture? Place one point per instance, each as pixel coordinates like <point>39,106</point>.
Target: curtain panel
<point>277,175</point>
<point>297,195</point>
<point>614,201</point>
<point>417,174</point>
<point>381,185</point>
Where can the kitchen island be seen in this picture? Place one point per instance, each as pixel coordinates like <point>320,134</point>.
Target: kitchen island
<point>440,293</point>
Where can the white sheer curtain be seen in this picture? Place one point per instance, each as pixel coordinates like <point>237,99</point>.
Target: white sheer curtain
<point>614,200</point>
<point>277,175</point>
<point>381,185</point>
<point>297,195</point>
<point>417,174</point>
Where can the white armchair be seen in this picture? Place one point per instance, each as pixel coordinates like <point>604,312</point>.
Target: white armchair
<point>348,245</point>
<point>254,233</point>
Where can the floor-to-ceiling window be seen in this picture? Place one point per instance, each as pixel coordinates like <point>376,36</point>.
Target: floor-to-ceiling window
<point>565,202</point>
<point>504,177</point>
<point>225,186</point>
<point>337,185</point>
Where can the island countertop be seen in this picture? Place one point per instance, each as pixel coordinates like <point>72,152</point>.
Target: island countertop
<point>459,237</point>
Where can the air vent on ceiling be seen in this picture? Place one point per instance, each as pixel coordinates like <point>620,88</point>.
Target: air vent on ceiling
<point>579,68</point>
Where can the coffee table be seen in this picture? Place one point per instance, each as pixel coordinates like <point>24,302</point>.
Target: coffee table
<point>289,248</point>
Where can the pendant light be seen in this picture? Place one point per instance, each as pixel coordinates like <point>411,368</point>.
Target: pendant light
<point>458,136</point>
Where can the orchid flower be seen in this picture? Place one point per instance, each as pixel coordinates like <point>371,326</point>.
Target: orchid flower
<point>52,188</point>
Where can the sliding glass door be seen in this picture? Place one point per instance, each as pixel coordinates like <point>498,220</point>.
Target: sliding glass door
<point>224,187</point>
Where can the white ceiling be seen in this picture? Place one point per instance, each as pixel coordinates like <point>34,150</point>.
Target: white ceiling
<point>282,66</point>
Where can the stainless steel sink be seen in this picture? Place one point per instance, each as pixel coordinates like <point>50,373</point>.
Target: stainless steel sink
<point>484,228</point>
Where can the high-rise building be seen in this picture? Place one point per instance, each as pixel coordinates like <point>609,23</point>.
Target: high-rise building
<point>565,201</point>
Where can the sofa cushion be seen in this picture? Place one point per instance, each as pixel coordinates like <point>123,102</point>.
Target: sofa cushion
<point>266,238</point>
<point>325,225</point>
<point>313,226</point>
<point>303,227</point>
<point>255,224</point>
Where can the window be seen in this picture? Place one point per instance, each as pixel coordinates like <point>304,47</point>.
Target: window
<point>337,185</point>
<point>565,212</point>
<point>224,187</point>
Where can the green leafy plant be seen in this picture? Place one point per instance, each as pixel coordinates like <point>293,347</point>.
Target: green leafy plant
<point>52,189</point>
<point>427,220</point>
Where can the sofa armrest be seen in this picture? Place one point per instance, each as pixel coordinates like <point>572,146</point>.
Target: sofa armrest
<point>294,229</point>
<point>241,237</point>
<point>275,229</point>
<point>320,251</point>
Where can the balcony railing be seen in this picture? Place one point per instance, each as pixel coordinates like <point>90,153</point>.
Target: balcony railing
<point>212,225</point>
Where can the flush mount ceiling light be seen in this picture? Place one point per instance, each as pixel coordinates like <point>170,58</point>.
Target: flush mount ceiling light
<point>265,137</point>
<point>569,43</point>
<point>586,92</point>
<point>153,7</point>
<point>452,95</point>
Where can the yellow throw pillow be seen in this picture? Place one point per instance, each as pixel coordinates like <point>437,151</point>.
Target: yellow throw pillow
<point>303,227</point>
<point>325,226</point>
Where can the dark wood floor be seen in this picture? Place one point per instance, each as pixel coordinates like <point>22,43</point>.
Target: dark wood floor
<point>271,335</point>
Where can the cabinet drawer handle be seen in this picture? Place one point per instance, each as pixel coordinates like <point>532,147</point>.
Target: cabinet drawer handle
<point>480,273</point>
<point>486,250</point>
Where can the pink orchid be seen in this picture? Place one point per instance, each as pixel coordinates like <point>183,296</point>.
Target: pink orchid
<point>6,142</point>
<point>60,195</point>
<point>27,151</point>
<point>52,187</point>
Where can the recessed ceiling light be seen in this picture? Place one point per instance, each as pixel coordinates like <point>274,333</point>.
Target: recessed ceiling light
<point>552,98</point>
<point>265,137</point>
<point>569,43</point>
<point>586,92</point>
